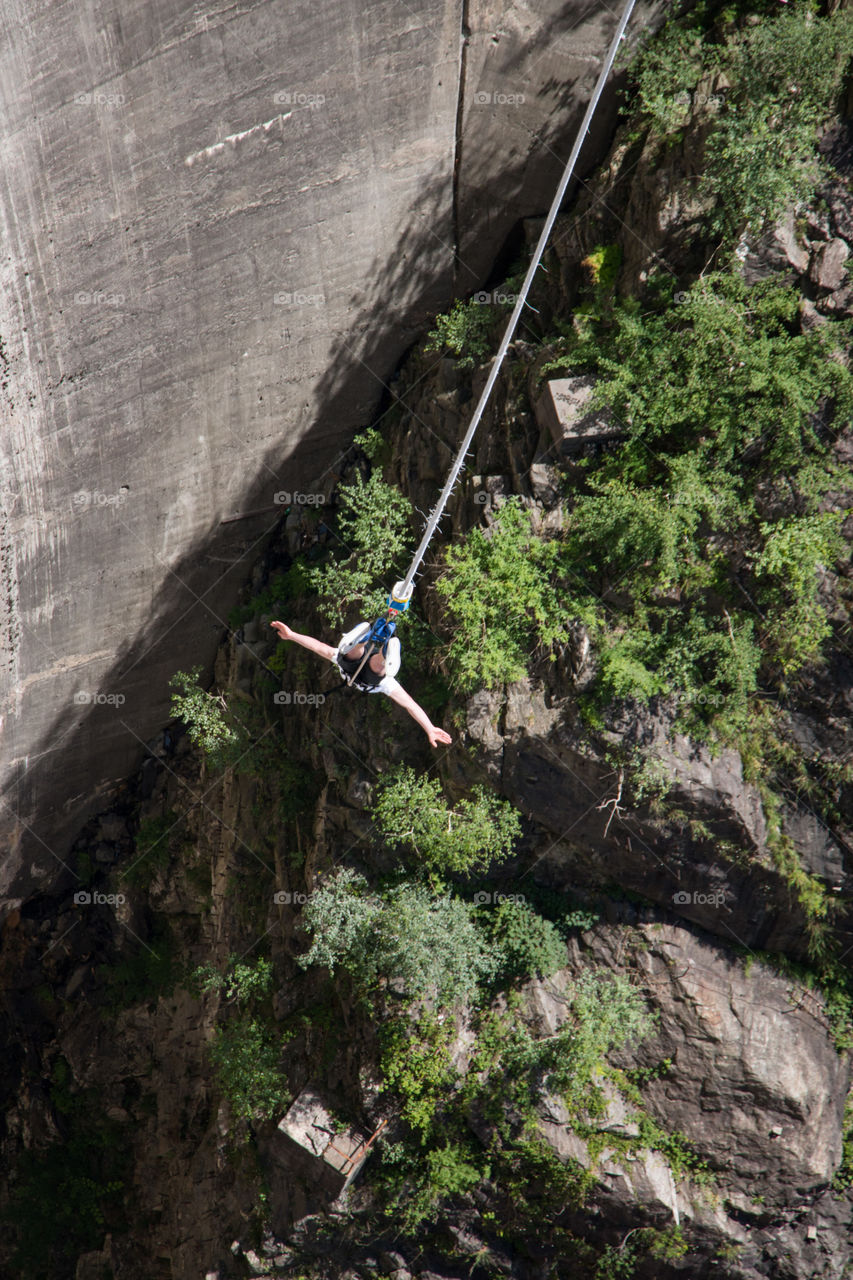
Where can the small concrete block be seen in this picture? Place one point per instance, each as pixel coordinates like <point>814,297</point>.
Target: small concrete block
<point>564,410</point>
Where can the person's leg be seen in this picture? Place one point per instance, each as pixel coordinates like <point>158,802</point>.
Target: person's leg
<point>319,647</point>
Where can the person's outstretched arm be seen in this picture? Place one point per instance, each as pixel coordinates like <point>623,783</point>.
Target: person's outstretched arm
<point>308,642</point>
<point>437,737</point>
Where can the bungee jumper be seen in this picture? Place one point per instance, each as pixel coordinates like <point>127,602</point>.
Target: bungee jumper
<point>368,658</point>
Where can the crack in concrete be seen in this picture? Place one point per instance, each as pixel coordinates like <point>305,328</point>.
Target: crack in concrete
<point>465,33</point>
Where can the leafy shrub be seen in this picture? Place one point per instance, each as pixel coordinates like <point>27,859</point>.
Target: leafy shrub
<point>411,811</point>
<point>526,944</point>
<point>416,1065</point>
<point>720,396</point>
<point>246,1055</point>
<point>782,78</point>
<point>373,528</point>
<point>785,74</point>
<point>501,600</point>
<point>340,915</point>
<point>464,331</point>
<point>393,939</point>
<point>793,550</point>
<point>606,1013</point>
<point>67,1194</point>
<point>241,983</point>
<point>204,714</point>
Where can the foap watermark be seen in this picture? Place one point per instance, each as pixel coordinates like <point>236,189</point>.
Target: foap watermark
<point>498,99</point>
<point>698,899</point>
<point>284,498</point>
<point>700,699</point>
<point>84,498</point>
<point>299,298</point>
<point>296,98</point>
<point>482,898</point>
<point>99,298</point>
<point>495,298</point>
<point>284,698</point>
<point>709,299</point>
<point>88,698</point>
<point>697,99</point>
<point>92,898</point>
<point>284,898</point>
<point>97,98</point>
<point>482,498</point>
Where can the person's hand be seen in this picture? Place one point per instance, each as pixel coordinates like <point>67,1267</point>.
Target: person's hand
<point>281,629</point>
<point>438,738</point>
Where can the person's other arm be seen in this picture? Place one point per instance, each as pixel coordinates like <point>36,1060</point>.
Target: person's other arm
<point>437,737</point>
<point>308,642</point>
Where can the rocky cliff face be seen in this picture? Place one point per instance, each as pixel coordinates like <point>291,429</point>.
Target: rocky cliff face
<point>221,230</point>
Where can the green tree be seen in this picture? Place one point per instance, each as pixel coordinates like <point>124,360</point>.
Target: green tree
<point>247,1057</point>
<point>526,944</point>
<point>502,603</point>
<point>411,812</point>
<point>785,75</point>
<point>464,331</point>
<point>205,715</point>
<point>373,526</point>
<point>779,79</point>
<point>787,568</point>
<point>422,944</point>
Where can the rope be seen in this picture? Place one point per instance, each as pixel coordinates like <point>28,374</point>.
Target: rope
<point>438,510</point>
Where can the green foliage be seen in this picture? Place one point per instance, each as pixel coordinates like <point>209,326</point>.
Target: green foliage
<point>718,374</point>
<point>674,1147</point>
<point>247,1056</point>
<point>373,528</point>
<point>782,78</point>
<point>152,849</point>
<point>67,1194</point>
<point>450,1174</point>
<point>501,600</point>
<point>785,75</point>
<point>526,944</point>
<point>666,75</point>
<point>236,735</point>
<point>204,714</point>
<point>340,915</point>
<point>464,331</point>
<point>603,265</point>
<point>617,1262</point>
<point>416,1064</point>
<point>240,984</point>
<point>607,1012</point>
<point>511,1067</point>
<point>719,396</point>
<point>669,1244</point>
<point>391,939</point>
<point>415,1185</point>
<point>793,550</point>
<point>844,1174</point>
<point>411,811</point>
<point>143,970</point>
<point>246,1051</point>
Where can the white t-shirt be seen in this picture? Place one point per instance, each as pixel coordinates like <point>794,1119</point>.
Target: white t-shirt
<point>392,658</point>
